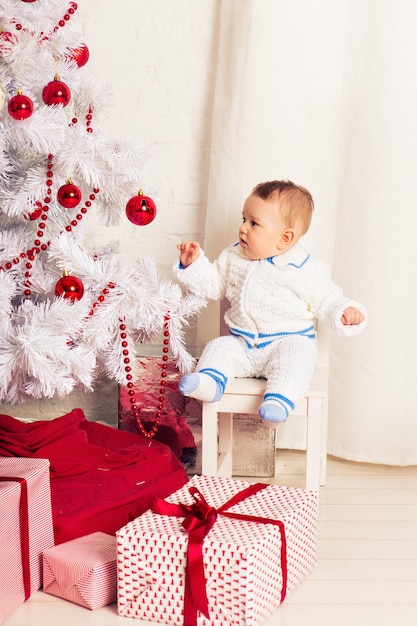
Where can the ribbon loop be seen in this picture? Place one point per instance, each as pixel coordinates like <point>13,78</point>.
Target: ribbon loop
<point>200,508</point>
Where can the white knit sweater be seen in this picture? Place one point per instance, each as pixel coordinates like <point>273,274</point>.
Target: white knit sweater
<point>270,297</point>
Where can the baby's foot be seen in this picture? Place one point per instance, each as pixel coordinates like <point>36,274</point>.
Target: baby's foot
<point>201,387</point>
<point>272,413</point>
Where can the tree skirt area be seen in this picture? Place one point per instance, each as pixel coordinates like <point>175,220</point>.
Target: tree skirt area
<point>101,477</point>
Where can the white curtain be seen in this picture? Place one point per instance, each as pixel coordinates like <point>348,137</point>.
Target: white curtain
<point>324,93</point>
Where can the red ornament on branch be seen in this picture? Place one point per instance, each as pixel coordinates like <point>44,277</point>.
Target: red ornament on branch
<point>69,195</point>
<point>36,213</point>
<point>69,287</point>
<point>80,55</point>
<point>20,107</point>
<point>140,209</point>
<point>56,92</point>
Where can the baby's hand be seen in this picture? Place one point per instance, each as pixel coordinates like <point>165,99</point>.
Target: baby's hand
<point>189,252</point>
<point>352,316</point>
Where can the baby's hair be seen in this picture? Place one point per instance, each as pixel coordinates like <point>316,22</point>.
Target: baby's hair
<point>295,202</point>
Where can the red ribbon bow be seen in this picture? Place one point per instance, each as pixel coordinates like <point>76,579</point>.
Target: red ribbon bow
<point>24,529</point>
<point>199,518</point>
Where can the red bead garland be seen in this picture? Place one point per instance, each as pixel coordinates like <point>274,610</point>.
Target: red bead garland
<point>88,120</point>
<point>148,434</point>
<point>73,6</point>
<point>28,283</point>
<point>41,213</point>
<point>83,210</point>
<point>105,292</point>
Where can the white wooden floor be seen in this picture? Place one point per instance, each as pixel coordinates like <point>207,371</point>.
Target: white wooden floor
<point>367,570</point>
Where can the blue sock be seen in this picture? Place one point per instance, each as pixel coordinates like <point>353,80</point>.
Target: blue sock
<point>201,387</point>
<point>273,412</point>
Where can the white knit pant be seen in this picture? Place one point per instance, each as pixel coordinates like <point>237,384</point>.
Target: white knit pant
<point>286,363</point>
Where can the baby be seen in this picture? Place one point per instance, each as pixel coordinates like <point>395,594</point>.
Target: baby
<point>275,290</point>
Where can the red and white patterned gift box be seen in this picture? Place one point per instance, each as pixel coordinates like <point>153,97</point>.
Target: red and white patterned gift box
<point>243,548</point>
<point>25,528</point>
<point>82,570</point>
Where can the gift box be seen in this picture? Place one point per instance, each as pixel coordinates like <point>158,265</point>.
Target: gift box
<point>82,570</point>
<point>25,528</point>
<point>216,552</point>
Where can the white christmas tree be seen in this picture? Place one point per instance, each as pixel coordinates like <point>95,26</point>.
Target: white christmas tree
<point>69,314</point>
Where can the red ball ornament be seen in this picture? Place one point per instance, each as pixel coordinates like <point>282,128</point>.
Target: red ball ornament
<point>28,0</point>
<point>69,287</point>
<point>80,55</point>
<point>69,195</point>
<point>56,92</point>
<point>140,209</point>
<point>20,107</point>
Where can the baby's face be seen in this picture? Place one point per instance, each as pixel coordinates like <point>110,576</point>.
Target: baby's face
<point>262,228</point>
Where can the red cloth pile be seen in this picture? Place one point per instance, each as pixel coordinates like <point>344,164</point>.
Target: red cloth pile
<point>101,477</point>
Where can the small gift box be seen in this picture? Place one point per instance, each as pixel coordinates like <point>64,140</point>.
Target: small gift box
<point>82,570</point>
<point>25,528</point>
<point>216,552</point>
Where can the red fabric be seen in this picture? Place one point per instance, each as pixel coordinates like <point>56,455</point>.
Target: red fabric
<point>101,477</point>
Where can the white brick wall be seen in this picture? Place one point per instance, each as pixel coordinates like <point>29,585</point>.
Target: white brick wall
<point>158,56</point>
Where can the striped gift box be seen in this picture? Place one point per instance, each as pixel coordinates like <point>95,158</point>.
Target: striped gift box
<point>82,571</point>
<point>25,528</point>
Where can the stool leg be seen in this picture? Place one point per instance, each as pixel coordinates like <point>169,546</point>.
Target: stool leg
<point>323,453</point>
<point>314,443</point>
<point>225,465</point>
<point>209,444</point>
